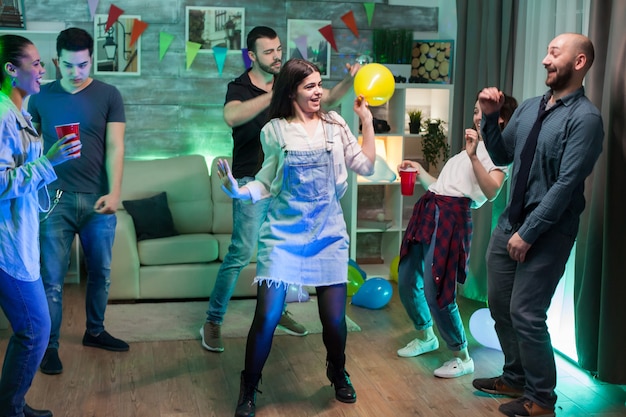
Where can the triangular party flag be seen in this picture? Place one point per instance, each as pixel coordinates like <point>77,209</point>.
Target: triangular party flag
<point>327,33</point>
<point>192,50</point>
<point>301,44</point>
<point>369,11</point>
<point>348,19</point>
<point>114,14</point>
<point>246,58</point>
<point>138,28</point>
<point>219,53</point>
<point>93,5</point>
<point>165,40</point>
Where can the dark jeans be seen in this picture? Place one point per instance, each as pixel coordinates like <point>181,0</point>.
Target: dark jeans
<point>75,214</point>
<point>24,304</point>
<point>519,297</point>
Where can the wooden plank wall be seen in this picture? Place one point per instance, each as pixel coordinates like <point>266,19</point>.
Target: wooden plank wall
<point>174,111</point>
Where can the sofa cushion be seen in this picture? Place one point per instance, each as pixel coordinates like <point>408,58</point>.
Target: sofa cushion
<point>181,249</point>
<point>186,181</point>
<point>151,216</point>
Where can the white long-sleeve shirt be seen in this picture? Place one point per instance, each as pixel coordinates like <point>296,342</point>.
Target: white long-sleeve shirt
<point>347,153</point>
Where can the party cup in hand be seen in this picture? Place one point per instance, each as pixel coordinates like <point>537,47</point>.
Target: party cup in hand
<point>64,130</point>
<point>407,180</point>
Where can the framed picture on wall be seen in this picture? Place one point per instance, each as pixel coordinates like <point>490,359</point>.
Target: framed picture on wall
<point>216,26</point>
<point>431,61</point>
<point>304,40</point>
<point>112,52</point>
<point>12,14</point>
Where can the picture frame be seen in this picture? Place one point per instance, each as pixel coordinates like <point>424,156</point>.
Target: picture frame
<point>216,26</point>
<point>431,61</point>
<point>112,52</point>
<point>12,15</point>
<point>317,47</point>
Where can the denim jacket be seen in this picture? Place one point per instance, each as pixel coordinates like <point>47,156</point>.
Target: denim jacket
<point>23,171</point>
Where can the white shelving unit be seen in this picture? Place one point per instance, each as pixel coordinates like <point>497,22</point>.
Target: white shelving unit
<point>375,210</point>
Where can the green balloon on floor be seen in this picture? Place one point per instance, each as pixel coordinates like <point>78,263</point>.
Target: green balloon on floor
<point>355,280</point>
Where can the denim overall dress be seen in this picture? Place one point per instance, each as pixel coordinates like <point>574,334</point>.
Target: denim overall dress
<point>303,240</point>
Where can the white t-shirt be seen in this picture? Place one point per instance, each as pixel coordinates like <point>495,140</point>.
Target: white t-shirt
<point>457,178</point>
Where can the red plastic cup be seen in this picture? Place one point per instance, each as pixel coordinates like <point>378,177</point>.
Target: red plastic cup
<point>407,180</point>
<point>66,129</point>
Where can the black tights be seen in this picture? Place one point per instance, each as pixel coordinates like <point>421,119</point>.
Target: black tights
<point>269,307</point>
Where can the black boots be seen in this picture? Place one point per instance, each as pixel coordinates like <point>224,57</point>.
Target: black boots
<point>246,405</point>
<point>344,391</point>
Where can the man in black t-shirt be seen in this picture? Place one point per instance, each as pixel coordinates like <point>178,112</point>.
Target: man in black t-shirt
<point>245,110</point>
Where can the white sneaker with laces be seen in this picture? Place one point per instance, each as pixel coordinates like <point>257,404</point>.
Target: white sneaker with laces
<point>455,368</point>
<point>417,347</point>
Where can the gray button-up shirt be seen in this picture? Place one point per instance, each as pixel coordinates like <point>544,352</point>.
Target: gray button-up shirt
<point>569,143</point>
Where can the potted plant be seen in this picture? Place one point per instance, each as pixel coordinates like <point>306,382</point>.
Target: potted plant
<point>415,121</point>
<point>434,142</point>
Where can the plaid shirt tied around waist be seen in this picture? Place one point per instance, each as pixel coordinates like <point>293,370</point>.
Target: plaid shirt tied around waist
<point>452,244</point>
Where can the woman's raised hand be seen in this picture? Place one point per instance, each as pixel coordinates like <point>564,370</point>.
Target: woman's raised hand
<point>471,141</point>
<point>229,184</point>
<point>361,108</point>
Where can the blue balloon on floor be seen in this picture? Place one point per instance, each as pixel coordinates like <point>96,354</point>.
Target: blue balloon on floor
<point>482,328</point>
<point>375,293</point>
<point>296,294</point>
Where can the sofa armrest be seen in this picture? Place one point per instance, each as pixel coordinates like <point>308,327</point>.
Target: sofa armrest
<point>125,260</point>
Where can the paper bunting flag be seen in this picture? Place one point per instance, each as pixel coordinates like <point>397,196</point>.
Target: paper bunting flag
<point>114,14</point>
<point>138,28</point>
<point>165,40</point>
<point>219,53</point>
<point>327,33</point>
<point>246,58</point>
<point>369,11</point>
<point>348,19</point>
<point>93,5</point>
<point>192,50</point>
<point>301,44</point>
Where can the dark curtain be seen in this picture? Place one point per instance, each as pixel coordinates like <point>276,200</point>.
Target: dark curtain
<point>600,283</point>
<point>485,52</point>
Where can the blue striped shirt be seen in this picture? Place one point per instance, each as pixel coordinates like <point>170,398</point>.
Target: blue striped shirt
<point>569,143</point>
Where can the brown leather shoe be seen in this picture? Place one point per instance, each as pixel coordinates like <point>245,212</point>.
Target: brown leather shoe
<point>497,386</point>
<point>523,407</point>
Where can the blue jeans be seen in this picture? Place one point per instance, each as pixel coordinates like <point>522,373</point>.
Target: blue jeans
<point>75,214</point>
<point>247,220</point>
<point>519,296</point>
<point>418,293</point>
<point>24,304</point>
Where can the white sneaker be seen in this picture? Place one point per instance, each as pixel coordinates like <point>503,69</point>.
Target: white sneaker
<point>455,368</point>
<point>417,347</point>
<point>211,337</point>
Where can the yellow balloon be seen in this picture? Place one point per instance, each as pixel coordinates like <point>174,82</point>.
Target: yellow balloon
<point>393,269</point>
<point>374,82</point>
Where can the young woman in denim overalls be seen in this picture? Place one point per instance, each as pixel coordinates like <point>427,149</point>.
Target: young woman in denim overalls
<point>303,240</point>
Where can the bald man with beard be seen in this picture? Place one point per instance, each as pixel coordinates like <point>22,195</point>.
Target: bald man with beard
<point>532,242</point>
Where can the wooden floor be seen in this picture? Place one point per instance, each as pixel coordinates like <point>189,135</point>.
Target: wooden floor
<point>180,379</point>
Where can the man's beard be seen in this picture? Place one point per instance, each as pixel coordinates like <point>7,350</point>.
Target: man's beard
<point>561,80</point>
<point>269,68</point>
